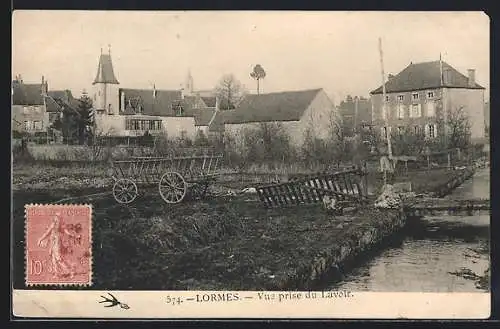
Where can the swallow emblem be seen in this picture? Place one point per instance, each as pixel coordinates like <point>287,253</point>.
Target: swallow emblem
<point>113,302</point>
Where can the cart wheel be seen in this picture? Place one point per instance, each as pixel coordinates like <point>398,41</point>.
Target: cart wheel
<point>172,187</point>
<point>124,191</point>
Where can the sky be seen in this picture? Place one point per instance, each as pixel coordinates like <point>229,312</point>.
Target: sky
<point>337,51</point>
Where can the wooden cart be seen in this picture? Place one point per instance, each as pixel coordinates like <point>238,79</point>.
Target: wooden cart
<point>175,177</point>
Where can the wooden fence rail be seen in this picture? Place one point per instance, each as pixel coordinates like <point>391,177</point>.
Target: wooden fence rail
<point>345,187</point>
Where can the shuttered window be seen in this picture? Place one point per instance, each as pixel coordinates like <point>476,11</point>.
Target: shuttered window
<point>416,111</point>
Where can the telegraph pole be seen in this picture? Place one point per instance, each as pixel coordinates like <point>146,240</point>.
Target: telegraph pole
<point>384,107</point>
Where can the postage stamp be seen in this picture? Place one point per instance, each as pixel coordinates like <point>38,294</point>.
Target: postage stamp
<point>58,244</point>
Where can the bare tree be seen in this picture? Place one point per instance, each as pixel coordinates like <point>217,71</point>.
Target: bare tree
<point>229,91</point>
<point>458,132</point>
<point>258,73</point>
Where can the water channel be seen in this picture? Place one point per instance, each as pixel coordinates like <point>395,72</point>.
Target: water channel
<point>431,251</point>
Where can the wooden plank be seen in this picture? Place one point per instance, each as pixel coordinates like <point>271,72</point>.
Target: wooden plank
<point>293,194</point>
<point>306,192</point>
<point>350,196</point>
<point>276,196</point>
<point>350,177</point>
<point>210,164</point>
<point>332,187</point>
<point>318,192</point>
<point>261,196</point>
<point>286,194</point>
<point>270,199</point>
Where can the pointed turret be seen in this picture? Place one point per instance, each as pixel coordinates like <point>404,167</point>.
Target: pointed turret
<point>105,73</point>
<point>106,93</point>
<point>189,83</point>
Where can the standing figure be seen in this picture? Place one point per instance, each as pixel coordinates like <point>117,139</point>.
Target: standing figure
<point>53,239</point>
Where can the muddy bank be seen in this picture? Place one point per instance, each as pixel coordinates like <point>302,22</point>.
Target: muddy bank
<point>458,177</point>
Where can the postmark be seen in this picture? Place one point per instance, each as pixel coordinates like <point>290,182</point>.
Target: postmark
<point>58,248</point>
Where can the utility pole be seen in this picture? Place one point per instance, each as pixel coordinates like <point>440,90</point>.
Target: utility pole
<point>384,107</point>
<point>443,97</point>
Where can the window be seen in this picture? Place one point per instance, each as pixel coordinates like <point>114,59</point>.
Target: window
<point>387,98</point>
<point>401,98</point>
<point>431,109</point>
<point>177,108</point>
<point>37,125</point>
<point>417,130</point>
<point>135,124</point>
<point>414,96</point>
<point>110,110</point>
<point>415,111</point>
<point>27,125</point>
<point>431,130</point>
<point>384,132</point>
<point>430,94</point>
<point>401,111</point>
<point>401,130</point>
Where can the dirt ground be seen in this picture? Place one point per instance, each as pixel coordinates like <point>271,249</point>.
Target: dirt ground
<point>218,243</point>
<point>212,244</point>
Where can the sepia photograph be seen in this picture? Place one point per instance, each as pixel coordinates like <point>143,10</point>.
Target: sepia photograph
<point>266,158</point>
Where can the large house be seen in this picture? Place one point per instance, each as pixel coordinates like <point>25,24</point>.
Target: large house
<point>422,96</point>
<point>29,111</point>
<point>133,112</point>
<point>35,108</point>
<point>297,111</point>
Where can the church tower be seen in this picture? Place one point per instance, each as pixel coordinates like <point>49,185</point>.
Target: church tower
<point>189,86</point>
<point>106,85</point>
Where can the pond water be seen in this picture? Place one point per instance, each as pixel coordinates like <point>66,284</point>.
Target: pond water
<point>431,251</point>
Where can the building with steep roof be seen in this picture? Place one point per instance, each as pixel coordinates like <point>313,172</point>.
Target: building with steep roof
<point>296,111</point>
<point>133,112</point>
<point>29,110</point>
<point>421,97</point>
<point>356,113</point>
<point>105,86</point>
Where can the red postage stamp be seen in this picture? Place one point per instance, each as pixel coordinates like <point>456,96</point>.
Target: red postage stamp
<point>58,244</point>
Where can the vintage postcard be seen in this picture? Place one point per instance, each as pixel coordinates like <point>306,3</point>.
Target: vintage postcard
<point>246,164</point>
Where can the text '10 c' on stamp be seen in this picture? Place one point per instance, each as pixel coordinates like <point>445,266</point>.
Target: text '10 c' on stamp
<point>58,248</point>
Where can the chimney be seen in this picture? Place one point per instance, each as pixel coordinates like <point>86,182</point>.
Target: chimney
<point>45,87</point>
<point>122,101</point>
<point>472,77</point>
<point>390,76</point>
<point>20,78</point>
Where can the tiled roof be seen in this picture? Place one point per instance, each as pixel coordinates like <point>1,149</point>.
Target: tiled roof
<point>52,105</point>
<point>160,105</point>
<point>280,106</point>
<point>61,98</point>
<point>190,101</point>
<point>217,124</point>
<point>26,94</point>
<point>105,73</point>
<point>348,108</point>
<point>209,101</point>
<point>203,116</point>
<point>425,75</point>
